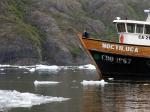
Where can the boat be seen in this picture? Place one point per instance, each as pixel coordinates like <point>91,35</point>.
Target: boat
<point>129,57</point>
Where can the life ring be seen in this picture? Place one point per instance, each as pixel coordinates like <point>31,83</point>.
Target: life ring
<point>121,39</point>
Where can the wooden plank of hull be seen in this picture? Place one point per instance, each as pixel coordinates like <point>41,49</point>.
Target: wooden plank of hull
<point>117,48</point>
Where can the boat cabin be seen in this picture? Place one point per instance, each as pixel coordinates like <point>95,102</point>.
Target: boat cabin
<point>130,26</point>
<point>134,32</point>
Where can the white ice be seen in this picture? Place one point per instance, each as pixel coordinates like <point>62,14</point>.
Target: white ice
<point>52,68</point>
<point>36,83</point>
<point>91,82</point>
<point>89,66</point>
<point>47,68</point>
<point>12,99</point>
<point>110,79</point>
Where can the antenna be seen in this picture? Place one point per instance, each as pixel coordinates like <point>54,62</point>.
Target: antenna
<point>148,17</point>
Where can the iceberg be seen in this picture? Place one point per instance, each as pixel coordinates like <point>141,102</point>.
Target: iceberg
<point>13,99</point>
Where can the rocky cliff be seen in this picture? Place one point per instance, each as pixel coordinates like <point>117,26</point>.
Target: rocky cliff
<point>44,31</point>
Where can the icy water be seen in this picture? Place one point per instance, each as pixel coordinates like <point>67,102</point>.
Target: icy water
<point>69,89</point>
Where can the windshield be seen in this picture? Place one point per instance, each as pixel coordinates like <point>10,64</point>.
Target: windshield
<point>139,28</point>
<point>131,28</point>
<point>147,29</point>
<point>121,27</point>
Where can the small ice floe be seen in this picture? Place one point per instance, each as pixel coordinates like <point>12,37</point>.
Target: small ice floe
<point>45,68</point>
<point>5,65</point>
<point>36,83</point>
<point>32,70</point>
<point>12,99</point>
<point>145,84</point>
<point>2,69</point>
<point>21,67</point>
<point>89,66</point>
<point>110,79</point>
<point>85,83</point>
<point>25,72</point>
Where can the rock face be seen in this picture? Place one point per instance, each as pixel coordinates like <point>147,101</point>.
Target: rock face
<point>45,31</point>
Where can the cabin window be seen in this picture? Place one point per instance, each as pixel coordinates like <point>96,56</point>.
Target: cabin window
<point>121,27</point>
<point>139,28</point>
<point>147,29</point>
<point>131,27</point>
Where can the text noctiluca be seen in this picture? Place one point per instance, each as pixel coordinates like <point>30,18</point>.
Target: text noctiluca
<point>120,47</point>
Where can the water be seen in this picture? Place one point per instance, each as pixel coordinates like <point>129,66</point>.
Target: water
<point>69,89</point>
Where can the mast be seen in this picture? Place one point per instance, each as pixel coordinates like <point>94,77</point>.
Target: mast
<point>148,17</point>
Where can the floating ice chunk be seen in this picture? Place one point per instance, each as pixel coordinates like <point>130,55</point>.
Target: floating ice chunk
<point>102,82</point>
<point>2,69</point>
<point>145,84</point>
<point>89,66</point>
<point>110,79</point>
<point>45,67</point>
<point>45,82</point>
<point>32,70</point>
<point>5,65</point>
<point>12,99</point>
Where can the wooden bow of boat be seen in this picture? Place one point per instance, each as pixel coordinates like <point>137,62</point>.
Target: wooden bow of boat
<point>113,59</point>
<point>89,54</point>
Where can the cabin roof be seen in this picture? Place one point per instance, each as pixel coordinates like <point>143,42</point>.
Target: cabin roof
<point>131,21</point>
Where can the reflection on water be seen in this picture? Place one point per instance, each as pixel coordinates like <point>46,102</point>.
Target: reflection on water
<point>94,96</point>
<point>117,97</point>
